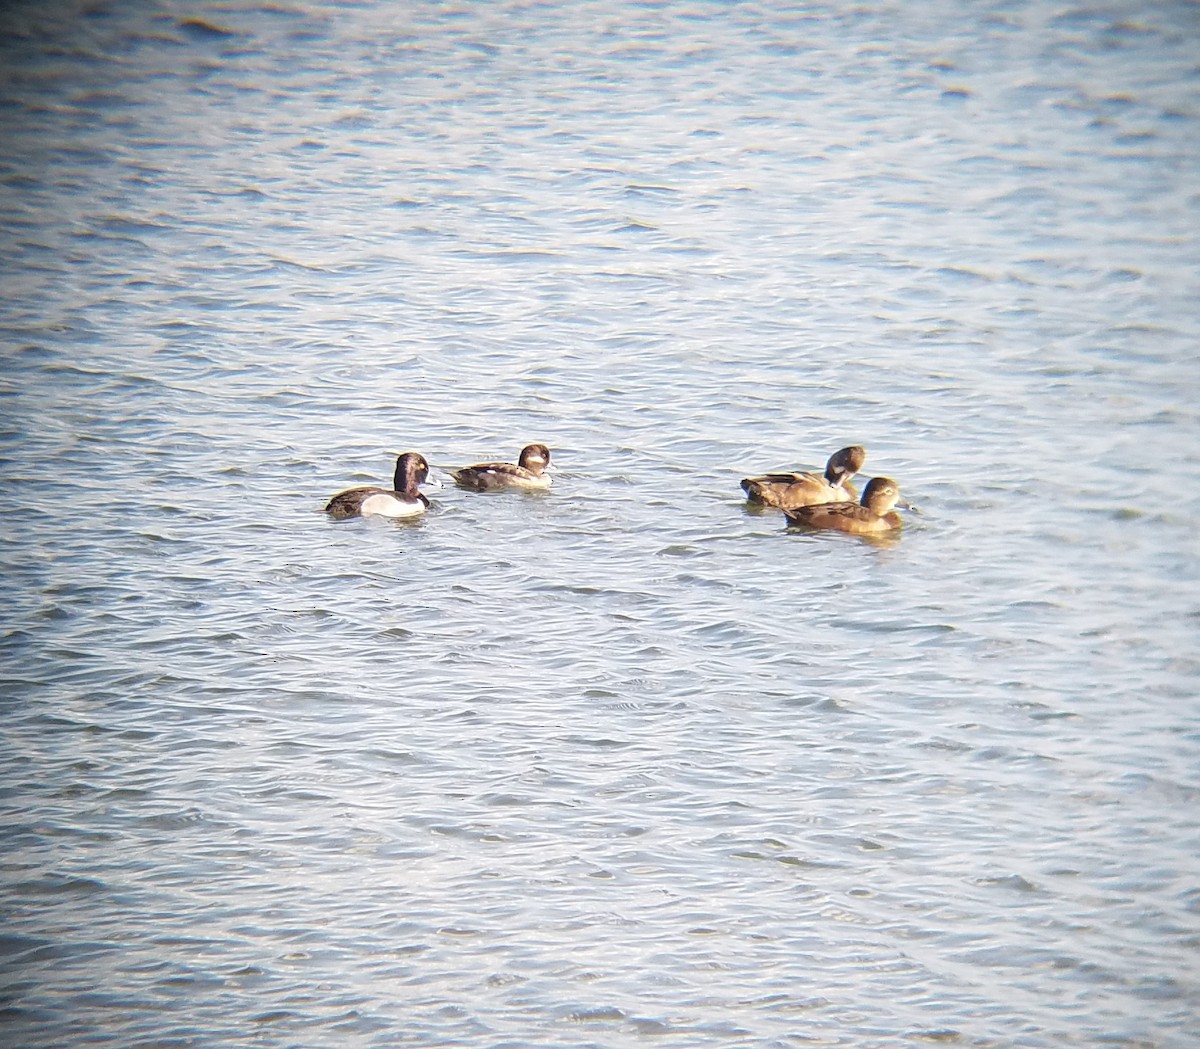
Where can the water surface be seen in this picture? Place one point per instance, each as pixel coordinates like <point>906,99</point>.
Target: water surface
<point>625,763</point>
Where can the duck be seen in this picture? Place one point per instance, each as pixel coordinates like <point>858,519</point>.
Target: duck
<point>529,473</point>
<point>787,490</point>
<point>404,500</point>
<point>873,515</point>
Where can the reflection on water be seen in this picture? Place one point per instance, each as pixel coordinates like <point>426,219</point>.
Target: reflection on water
<point>883,540</point>
<point>627,758</point>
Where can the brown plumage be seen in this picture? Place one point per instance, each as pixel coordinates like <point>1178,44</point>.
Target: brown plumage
<point>873,515</point>
<point>788,490</point>
<point>530,472</point>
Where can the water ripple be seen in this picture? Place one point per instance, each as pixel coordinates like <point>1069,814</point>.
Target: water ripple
<point>627,760</point>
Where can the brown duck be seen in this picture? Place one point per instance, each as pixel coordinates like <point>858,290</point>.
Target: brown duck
<point>873,515</point>
<point>530,472</point>
<point>788,490</point>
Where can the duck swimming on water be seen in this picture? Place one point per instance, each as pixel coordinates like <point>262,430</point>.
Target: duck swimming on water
<point>788,490</point>
<point>530,472</point>
<point>873,515</point>
<point>403,501</point>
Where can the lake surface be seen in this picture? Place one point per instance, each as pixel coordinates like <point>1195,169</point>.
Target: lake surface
<point>626,763</point>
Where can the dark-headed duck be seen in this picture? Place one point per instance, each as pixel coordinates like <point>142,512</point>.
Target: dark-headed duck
<point>403,501</point>
<point>788,490</point>
<point>529,473</point>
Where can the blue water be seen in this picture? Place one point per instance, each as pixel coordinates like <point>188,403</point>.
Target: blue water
<point>625,763</point>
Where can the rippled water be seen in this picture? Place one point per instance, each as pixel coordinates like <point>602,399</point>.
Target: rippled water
<point>626,763</point>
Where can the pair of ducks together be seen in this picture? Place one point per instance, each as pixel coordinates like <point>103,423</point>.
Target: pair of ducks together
<point>412,471</point>
<point>829,501</point>
<point>808,499</point>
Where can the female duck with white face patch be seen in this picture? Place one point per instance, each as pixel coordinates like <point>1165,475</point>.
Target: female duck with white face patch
<point>530,472</point>
<point>404,500</point>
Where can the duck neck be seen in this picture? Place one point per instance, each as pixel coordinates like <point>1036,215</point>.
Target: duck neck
<point>407,478</point>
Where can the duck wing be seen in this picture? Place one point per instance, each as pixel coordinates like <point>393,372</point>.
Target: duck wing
<point>489,475</point>
<point>349,503</point>
<point>786,490</point>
